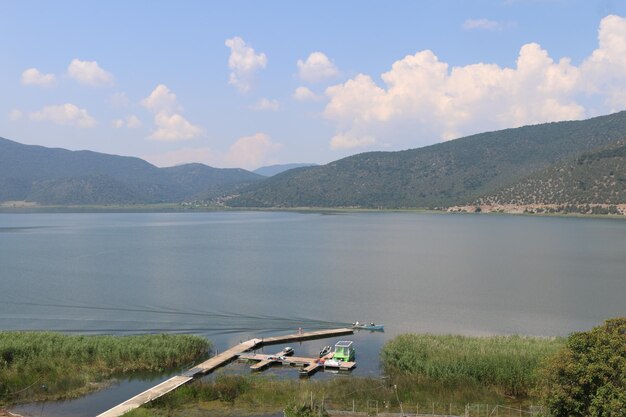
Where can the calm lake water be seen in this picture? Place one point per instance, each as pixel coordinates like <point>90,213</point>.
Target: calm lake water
<point>231,276</point>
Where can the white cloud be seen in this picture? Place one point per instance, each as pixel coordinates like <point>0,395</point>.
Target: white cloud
<point>161,100</point>
<point>243,62</point>
<point>346,141</point>
<point>250,152</point>
<point>64,114</point>
<point>424,99</point>
<point>305,94</point>
<point>173,127</point>
<point>131,122</point>
<point>89,73</point>
<point>32,76</point>
<point>483,24</point>
<point>604,71</point>
<point>170,124</point>
<point>266,104</point>
<point>316,68</point>
<point>15,115</point>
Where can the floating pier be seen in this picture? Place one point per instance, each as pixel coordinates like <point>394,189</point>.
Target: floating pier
<point>308,365</point>
<point>214,363</point>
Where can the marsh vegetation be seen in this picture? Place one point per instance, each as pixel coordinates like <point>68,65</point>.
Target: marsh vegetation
<point>46,365</point>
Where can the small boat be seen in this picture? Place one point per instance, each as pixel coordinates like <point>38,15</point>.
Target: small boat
<point>344,351</point>
<point>371,327</point>
<point>287,351</point>
<point>325,351</point>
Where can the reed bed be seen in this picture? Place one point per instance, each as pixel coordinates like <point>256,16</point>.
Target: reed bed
<point>47,365</point>
<point>263,394</point>
<point>508,364</point>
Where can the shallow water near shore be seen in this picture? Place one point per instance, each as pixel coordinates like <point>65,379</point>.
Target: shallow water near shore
<point>231,276</point>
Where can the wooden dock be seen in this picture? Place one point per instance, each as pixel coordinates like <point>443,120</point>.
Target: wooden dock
<point>307,365</point>
<point>214,363</point>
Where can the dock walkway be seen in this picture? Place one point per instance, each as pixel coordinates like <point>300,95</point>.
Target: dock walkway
<point>212,364</point>
<point>308,365</point>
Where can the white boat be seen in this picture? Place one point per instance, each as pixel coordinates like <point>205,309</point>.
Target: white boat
<point>325,351</point>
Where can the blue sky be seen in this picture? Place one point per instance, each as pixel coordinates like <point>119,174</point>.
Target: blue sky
<point>251,83</point>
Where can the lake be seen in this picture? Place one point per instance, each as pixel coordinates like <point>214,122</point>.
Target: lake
<point>231,276</point>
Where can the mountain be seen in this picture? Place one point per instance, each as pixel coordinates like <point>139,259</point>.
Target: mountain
<point>271,170</point>
<point>445,174</point>
<point>59,176</point>
<point>595,177</point>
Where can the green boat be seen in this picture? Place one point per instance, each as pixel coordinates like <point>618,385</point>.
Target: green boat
<point>344,351</point>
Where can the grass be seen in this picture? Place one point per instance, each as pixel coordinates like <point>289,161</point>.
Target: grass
<point>509,365</point>
<point>425,372</point>
<point>435,374</point>
<point>236,395</point>
<point>46,365</point>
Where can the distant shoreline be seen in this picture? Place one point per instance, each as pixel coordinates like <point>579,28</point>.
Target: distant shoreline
<point>525,210</point>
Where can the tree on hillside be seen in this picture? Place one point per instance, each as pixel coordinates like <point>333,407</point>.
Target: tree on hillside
<point>588,376</point>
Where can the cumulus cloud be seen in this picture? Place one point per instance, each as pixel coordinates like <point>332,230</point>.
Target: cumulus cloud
<point>266,104</point>
<point>89,73</point>
<point>32,76</point>
<point>604,71</point>
<point>250,152</point>
<point>161,99</point>
<point>15,115</point>
<point>482,24</point>
<point>64,114</point>
<point>173,127</point>
<point>317,67</point>
<point>305,94</point>
<point>170,124</point>
<point>423,99</point>
<point>342,141</point>
<point>247,152</point>
<point>131,122</point>
<point>243,62</point>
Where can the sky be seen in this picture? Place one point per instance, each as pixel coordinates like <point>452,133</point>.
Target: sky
<point>254,83</point>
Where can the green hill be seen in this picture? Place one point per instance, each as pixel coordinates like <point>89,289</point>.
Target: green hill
<point>595,177</point>
<point>445,174</point>
<point>58,176</point>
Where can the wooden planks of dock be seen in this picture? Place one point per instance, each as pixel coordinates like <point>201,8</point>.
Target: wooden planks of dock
<point>214,363</point>
<point>308,365</point>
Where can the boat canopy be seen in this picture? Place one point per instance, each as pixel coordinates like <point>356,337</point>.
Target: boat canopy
<point>344,350</point>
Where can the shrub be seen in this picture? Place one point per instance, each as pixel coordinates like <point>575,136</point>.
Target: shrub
<point>587,377</point>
